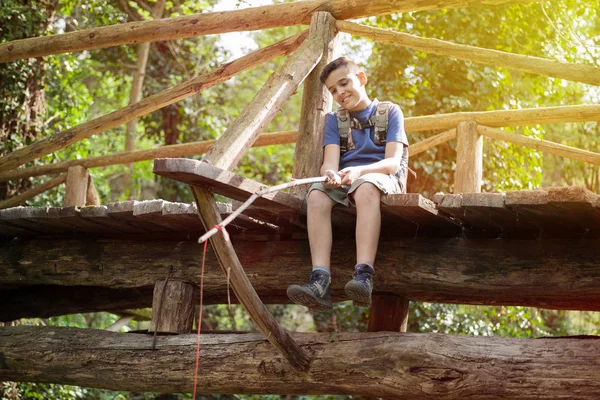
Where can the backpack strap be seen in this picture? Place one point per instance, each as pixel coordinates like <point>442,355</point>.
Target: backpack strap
<point>380,121</point>
<point>344,121</point>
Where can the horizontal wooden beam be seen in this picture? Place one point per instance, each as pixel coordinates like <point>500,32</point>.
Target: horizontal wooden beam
<point>149,104</point>
<point>431,142</point>
<point>412,366</point>
<point>545,146</point>
<point>23,197</point>
<point>495,58</point>
<point>249,19</point>
<point>500,118</point>
<point>171,151</point>
<point>547,273</point>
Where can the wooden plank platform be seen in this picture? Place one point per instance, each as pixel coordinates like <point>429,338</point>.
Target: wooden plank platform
<point>120,219</point>
<point>554,213</point>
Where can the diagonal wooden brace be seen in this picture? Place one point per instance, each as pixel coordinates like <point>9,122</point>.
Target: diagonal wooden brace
<point>207,208</point>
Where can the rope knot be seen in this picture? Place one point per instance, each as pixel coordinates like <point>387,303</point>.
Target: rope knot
<point>223,230</point>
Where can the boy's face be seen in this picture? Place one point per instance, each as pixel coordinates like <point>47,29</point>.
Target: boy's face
<point>348,88</point>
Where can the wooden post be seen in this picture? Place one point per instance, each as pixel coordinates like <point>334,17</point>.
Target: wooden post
<point>469,159</point>
<point>176,313</point>
<point>77,186</point>
<point>389,312</point>
<point>316,103</point>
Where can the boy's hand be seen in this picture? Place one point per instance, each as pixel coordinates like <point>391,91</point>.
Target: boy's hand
<point>349,175</point>
<point>333,179</point>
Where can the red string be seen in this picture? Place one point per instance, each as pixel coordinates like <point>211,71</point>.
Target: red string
<point>199,321</point>
<point>222,229</point>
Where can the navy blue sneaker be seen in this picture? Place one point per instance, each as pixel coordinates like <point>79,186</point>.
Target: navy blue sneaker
<point>315,294</point>
<point>359,289</point>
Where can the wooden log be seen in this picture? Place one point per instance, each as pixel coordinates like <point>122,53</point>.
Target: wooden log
<point>171,151</point>
<point>77,186</point>
<point>530,116</point>
<point>547,273</point>
<point>469,159</point>
<point>431,142</point>
<point>23,197</point>
<point>316,103</point>
<point>394,365</point>
<point>149,104</point>
<point>541,145</point>
<point>388,313</point>
<point>172,307</point>
<point>249,19</point>
<point>495,58</point>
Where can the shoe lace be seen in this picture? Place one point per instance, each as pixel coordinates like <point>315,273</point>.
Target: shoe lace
<point>363,276</point>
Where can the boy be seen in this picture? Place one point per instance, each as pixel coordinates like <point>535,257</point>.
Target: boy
<point>358,176</point>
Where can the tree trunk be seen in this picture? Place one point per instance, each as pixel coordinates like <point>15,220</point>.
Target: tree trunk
<point>388,365</point>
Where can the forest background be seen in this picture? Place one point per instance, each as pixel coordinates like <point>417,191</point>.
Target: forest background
<point>42,96</point>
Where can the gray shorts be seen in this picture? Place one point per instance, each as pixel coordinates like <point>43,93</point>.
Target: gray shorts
<point>387,184</point>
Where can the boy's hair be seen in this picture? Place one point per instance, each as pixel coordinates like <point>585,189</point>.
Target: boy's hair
<point>338,63</point>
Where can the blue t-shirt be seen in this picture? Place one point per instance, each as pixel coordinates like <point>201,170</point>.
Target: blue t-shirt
<point>366,151</point>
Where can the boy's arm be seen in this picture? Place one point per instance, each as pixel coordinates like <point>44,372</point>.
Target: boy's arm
<point>331,164</point>
<point>389,165</point>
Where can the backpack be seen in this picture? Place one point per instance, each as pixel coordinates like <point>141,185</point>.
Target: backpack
<point>379,121</point>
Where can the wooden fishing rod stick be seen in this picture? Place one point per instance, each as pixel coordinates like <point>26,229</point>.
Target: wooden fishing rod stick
<point>247,203</point>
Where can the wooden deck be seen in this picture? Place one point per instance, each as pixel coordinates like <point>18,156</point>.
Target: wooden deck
<point>570,212</point>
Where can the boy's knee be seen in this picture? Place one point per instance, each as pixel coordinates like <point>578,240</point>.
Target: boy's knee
<point>367,194</point>
<point>318,200</point>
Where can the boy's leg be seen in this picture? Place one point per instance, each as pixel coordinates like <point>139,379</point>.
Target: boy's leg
<point>367,198</point>
<point>316,293</point>
<point>319,227</point>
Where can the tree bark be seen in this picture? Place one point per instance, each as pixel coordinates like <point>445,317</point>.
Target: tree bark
<point>388,365</point>
<point>249,19</point>
<point>547,273</point>
<point>149,104</point>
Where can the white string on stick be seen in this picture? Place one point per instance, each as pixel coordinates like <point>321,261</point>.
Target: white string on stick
<point>247,203</point>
